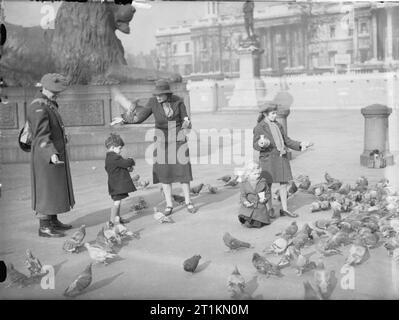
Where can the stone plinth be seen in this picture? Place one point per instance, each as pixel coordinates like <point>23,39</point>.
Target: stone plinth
<point>250,90</point>
<point>376,132</point>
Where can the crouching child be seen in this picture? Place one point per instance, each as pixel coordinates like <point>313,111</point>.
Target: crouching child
<point>254,195</point>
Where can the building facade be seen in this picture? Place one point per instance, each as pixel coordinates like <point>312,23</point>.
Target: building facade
<point>313,38</point>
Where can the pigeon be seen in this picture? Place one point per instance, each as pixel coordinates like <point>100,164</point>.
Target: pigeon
<point>33,264</point>
<point>278,246</point>
<point>197,189</point>
<point>304,183</point>
<point>111,234</point>
<point>121,229</point>
<point>143,184</point>
<point>179,199</point>
<point>82,281</point>
<point>191,264</point>
<point>234,243</point>
<point>315,206</point>
<point>160,217</point>
<point>211,189</point>
<point>98,254</point>
<point>358,253</point>
<point>290,231</point>
<point>302,263</point>
<point>136,177</point>
<point>310,293</point>
<point>345,189</point>
<point>71,245</point>
<point>102,242</point>
<point>140,205</point>
<point>370,239</point>
<point>235,282</point>
<point>79,234</point>
<point>391,245</point>
<point>332,183</point>
<point>361,184</point>
<point>225,178</point>
<point>300,240</point>
<point>325,282</point>
<point>232,183</point>
<point>15,278</point>
<point>262,265</point>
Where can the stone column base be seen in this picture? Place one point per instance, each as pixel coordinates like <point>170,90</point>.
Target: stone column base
<point>365,156</point>
<point>248,94</point>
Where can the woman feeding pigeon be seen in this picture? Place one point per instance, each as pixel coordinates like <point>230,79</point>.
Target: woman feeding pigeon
<point>272,142</point>
<point>171,154</point>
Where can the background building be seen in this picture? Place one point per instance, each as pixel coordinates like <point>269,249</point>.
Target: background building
<point>297,38</point>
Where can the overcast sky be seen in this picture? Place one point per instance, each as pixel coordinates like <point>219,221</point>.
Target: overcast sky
<point>143,25</point>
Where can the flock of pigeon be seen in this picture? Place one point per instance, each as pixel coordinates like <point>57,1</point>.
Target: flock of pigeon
<point>103,248</point>
<point>363,216</point>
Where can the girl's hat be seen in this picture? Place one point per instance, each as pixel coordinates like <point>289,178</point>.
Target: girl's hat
<point>268,107</point>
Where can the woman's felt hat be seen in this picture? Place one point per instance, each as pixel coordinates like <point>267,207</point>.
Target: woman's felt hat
<point>54,82</point>
<point>161,87</point>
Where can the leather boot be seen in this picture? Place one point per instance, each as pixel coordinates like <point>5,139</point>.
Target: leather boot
<point>57,224</point>
<point>46,230</point>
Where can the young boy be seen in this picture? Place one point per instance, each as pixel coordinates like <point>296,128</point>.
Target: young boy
<point>119,181</point>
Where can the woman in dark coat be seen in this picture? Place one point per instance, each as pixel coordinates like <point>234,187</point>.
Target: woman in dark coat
<point>52,191</point>
<point>171,154</point>
<point>271,141</point>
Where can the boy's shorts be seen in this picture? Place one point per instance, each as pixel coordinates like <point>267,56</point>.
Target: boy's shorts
<point>118,197</point>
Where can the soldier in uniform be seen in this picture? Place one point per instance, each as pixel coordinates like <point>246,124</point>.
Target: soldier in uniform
<point>51,181</point>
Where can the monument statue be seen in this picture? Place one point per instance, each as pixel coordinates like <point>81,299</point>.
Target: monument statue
<point>248,9</point>
<point>83,46</point>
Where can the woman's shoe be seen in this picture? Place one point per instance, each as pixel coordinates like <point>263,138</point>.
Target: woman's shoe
<point>287,213</point>
<point>123,221</point>
<point>168,211</point>
<point>191,208</point>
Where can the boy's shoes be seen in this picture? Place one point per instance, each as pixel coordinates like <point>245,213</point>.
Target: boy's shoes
<point>123,221</point>
<point>58,225</point>
<point>50,233</point>
<point>287,213</point>
<point>272,214</point>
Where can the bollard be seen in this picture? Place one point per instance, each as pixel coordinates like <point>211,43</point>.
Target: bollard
<point>376,133</point>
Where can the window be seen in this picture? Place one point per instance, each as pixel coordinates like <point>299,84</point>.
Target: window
<point>188,69</point>
<point>315,59</point>
<point>187,47</point>
<point>332,31</point>
<point>363,55</point>
<point>175,48</point>
<point>350,32</point>
<point>363,28</point>
<point>175,68</point>
<point>278,38</point>
<point>331,57</point>
<point>350,52</point>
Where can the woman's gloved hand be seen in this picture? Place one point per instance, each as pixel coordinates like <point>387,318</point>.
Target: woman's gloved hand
<point>248,204</point>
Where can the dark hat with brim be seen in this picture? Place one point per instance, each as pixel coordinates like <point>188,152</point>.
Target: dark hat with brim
<point>54,82</point>
<point>268,107</point>
<point>161,87</point>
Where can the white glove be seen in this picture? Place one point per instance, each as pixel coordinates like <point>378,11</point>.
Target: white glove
<point>262,197</point>
<point>116,121</point>
<point>263,142</point>
<point>305,145</point>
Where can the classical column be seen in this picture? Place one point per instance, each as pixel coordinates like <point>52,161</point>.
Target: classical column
<point>389,35</point>
<point>375,34</point>
<point>356,41</point>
